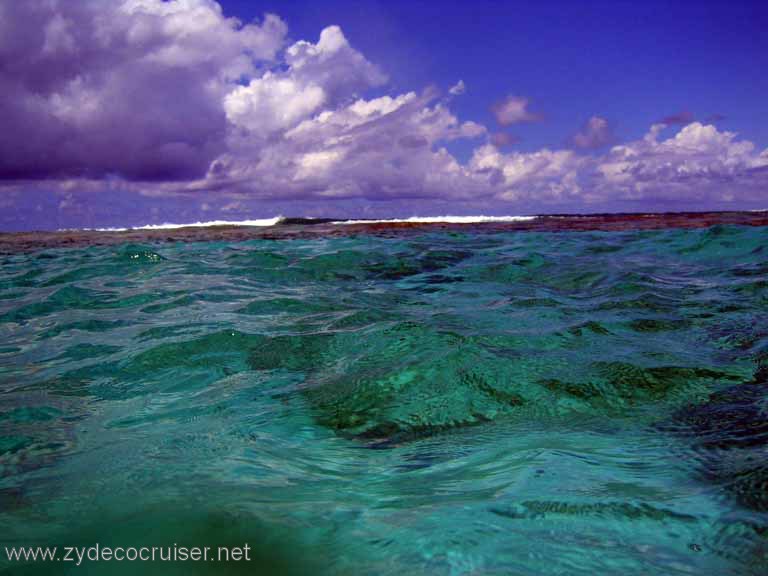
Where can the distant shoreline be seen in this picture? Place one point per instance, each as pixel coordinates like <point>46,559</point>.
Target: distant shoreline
<point>294,228</point>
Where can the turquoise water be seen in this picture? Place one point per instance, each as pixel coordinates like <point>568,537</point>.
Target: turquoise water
<point>432,403</point>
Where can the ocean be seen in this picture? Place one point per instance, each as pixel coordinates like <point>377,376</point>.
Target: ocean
<point>554,395</point>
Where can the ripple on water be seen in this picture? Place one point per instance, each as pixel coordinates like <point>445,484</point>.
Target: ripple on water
<point>449,403</point>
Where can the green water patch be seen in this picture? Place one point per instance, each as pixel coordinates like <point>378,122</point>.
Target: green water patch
<point>721,241</point>
<point>62,299</point>
<point>221,350</point>
<point>348,265</point>
<point>590,327</point>
<point>258,259</point>
<point>11,295</point>
<point>30,414</point>
<point>645,302</point>
<point>183,302</point>
<point>645,325</point>
<point>198,298</point>
<point>288,306</point>
<point>91,325</point>
<point>363,318</point>
<point>299,352</point>
<point>608,510</point>
<point>85,351</point>
<point>175,538</point>
<point>27,279</point>
<point>509,271</point>
<point>76,298</point>
<point>173,331</point>
<point>14,443</point>
<point>621,385</point>
<point>167,367</point>
<point>124,261</point>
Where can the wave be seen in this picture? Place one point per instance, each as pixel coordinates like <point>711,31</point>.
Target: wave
<point>170,226</point>
<point>309,221</point>
<point>441,220</point>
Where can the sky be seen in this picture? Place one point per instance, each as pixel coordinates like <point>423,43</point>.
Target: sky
<point>134,112</point>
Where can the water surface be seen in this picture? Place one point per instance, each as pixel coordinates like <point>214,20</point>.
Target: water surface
<point>461,401</point>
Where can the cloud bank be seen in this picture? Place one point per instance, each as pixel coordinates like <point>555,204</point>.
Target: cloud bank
<point>174,98</point>
<point>133,89</point>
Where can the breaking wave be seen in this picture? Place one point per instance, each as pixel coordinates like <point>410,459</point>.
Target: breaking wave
<point>441,220</point>
<point>171,226</point>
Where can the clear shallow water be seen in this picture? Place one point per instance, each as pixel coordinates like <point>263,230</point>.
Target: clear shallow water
<point>444,403</point>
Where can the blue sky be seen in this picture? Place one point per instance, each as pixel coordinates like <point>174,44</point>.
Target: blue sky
<point>631,62</point>
<point>144,111</point>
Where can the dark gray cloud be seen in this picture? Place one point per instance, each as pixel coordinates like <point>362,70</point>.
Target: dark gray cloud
<point>514,110</point>
<point>678,119</point>
<point>503,139</point>
<point>596,133</point>
<point>94,88</point>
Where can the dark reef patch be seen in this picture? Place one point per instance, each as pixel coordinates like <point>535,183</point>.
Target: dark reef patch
<point>729,437</point>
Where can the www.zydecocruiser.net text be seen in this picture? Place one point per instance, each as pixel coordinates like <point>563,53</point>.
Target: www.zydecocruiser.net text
<point>98,553</point>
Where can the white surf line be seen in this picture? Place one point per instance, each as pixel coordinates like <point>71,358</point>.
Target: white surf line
<point>441,220</point>
<point>171,226</point>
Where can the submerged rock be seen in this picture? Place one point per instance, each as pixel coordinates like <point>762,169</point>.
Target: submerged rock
<point>407,380</point>
<point>404,381</point>
<point>616,386</point>
<point>730,438</point>
<point>303,352</point>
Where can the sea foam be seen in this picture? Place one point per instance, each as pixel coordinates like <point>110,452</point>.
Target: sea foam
<point>441,220</point>
<point>170,226</point>
<point>280,219</point>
